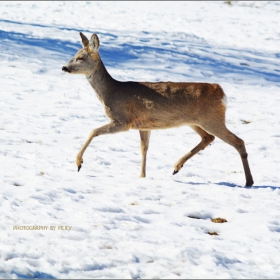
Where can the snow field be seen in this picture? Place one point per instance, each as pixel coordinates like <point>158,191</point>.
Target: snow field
<point>124,226</point>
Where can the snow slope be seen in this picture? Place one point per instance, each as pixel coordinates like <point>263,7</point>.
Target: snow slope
<point>123,226</point>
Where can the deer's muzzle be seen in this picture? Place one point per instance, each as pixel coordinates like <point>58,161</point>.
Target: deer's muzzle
<point>65,69</point>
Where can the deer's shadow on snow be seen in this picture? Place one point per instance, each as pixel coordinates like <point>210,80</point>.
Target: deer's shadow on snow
<point>230,185</point>
<point>254,187</point>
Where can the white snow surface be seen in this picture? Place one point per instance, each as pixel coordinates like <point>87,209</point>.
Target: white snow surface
<point>123,226</point>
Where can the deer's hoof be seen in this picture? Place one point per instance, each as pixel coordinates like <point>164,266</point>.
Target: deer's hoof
<point>175,172</point>
<point>79,162</point>
<point>249,183</point>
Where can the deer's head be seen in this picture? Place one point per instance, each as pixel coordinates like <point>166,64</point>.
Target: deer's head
<point>86,59</point>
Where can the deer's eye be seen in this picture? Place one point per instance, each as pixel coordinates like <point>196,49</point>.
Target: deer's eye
<point>80,59</point>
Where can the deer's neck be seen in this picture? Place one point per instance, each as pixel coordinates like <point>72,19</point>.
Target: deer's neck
<point>101,81</point>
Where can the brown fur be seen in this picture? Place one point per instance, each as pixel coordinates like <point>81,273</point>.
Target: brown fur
<point>145,106</point>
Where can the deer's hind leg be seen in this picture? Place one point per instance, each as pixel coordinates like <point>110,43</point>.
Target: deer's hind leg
<point>206,139</point>
<point>220,130</point>
<point>144,144</point>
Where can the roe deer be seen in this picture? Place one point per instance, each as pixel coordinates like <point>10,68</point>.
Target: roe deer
<point>146,106</point>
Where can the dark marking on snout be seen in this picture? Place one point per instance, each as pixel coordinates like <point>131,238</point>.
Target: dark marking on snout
<point>65,69</point>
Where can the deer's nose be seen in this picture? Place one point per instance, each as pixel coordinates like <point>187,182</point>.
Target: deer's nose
<point>64,68</point>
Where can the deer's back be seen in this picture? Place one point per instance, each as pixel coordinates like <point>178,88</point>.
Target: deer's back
<point>167,104</point>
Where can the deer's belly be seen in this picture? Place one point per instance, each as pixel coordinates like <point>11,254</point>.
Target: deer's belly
<point>154,123</point>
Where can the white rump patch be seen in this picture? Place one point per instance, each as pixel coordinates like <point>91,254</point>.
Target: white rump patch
<point>225,100</point>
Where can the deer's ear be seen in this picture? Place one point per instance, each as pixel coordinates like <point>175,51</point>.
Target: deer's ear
<point>84,40</point>
<point>94,43</point>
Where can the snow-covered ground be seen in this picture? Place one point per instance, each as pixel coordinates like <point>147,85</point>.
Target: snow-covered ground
<point>119,225</point>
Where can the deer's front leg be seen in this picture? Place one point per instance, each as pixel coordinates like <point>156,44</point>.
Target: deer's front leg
<point>112,127</point>
<point>144,144</point>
